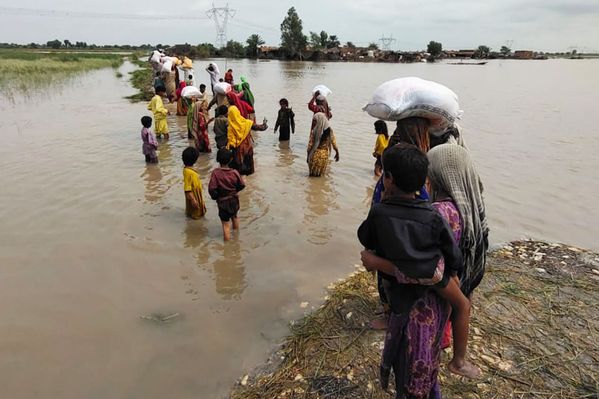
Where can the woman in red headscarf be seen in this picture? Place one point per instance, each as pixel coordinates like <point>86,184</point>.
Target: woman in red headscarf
<point>245,109</point>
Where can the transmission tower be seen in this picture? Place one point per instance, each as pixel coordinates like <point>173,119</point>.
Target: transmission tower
<point>220,16</point>
<point>386,42</point>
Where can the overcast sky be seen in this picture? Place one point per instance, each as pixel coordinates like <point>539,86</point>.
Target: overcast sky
<point>547,25</point>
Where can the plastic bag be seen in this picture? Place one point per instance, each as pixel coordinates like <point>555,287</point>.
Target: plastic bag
<point>187,63</point>
<point>167,64</point>
<point>155,56</point>
<point>323,90</point>
<point>191,91</point>
<point>222,88</point>
<point>409,97</point>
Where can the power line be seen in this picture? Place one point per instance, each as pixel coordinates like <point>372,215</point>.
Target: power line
<point>220,16</point>
<point>386,42</point>
<point>38,12</point>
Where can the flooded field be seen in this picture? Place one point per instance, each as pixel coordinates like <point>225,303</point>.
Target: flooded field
<point>95,248</point>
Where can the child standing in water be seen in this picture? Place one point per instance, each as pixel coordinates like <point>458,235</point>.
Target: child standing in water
<point>225,184</point>
<point>160,112</point>
<point>285,120</point>
<point>195,208</point>
<point>150,145</point>
<point>221,125</point>
<point>382,141</point>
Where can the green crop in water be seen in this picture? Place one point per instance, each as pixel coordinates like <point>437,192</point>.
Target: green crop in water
<point>22,71</point>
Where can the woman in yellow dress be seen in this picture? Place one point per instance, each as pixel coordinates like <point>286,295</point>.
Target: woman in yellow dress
<point>240,140</point>
<point>322,140</point>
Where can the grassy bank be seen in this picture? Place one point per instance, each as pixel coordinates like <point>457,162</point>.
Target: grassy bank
<point>23,71</point>
<point>142,79</point>
<point>534,333</point>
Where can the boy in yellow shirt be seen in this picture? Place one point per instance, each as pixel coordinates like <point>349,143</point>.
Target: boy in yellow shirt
<point>160,112</point>
<point>195,208</point>
<point>382,141</point>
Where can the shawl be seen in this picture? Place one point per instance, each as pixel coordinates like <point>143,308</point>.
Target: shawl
<point>198,125</point>
<point>244,108</point>
<point>239,127</point>
<point>182,85</point>
<point>247,93</point>
<point>453,171</point>
<point>321,123</point>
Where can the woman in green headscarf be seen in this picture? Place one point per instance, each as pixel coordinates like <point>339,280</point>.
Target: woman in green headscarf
<point>247,92</point>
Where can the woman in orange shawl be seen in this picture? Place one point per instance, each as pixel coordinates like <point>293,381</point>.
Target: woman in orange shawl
<point>240,140</point>
<point>199,126</point>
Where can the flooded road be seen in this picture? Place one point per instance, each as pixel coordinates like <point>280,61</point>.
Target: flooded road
<point>93,240</point>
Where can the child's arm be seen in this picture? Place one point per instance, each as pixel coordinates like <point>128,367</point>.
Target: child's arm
<point>367,233</point>
<point>292,121</point>
<point>192,199</point>
<point>240,182</point>
<point>375,262</point>
<point>277,123</point>
<point>213,188</point>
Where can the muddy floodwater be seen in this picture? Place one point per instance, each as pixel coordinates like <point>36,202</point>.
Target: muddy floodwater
<point>95,249</point>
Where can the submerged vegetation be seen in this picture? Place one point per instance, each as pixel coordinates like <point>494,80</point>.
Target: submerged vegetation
<point>22,71</point>
<point>534,333</point>
<point>142,79</point>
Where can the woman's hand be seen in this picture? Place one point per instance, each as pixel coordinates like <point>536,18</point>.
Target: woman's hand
<point>337,156</point>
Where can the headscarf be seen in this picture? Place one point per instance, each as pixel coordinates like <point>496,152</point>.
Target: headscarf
<point>324,107</point>
<point>247,93</point>
<point>321,123</point>
<point>452,170</point>
<point>239,127</point>
<point>244,108</point>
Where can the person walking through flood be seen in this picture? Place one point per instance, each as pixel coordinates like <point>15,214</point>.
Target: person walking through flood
<point>148,138</point>
<point>221,124</point>
<point>322,140</point>
<point>195,207</point>
<point>285,120</point>
<point>229,77</point>
<point>240,140</point>
<point>319,103</point>
<point>199,126</point>
<point>224,187</point>
<point>181,104</point>
<point>160,112</point>
<point>214,73</point>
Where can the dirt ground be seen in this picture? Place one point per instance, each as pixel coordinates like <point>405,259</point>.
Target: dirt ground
<point>534,333</point>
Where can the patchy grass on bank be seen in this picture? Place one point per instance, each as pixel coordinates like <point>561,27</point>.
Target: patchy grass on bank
<point>534,333</point>
<point>23,71</point>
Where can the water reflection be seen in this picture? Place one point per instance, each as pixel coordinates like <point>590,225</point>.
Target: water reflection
<point>321,197</point>
<point>229,272</point>
<point>285,155</point>
<point>153,189</point>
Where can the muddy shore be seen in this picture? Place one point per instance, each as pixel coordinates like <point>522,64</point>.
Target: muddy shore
<point>534,333</point>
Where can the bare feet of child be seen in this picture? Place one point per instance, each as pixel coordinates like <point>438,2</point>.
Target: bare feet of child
<point>464,369</point>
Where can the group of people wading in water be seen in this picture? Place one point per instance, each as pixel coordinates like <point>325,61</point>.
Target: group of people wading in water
<point>426,234</point>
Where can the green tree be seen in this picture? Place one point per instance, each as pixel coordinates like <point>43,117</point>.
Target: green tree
<point>55,44</point>
<point>482,52</point>
<point>333,42</point>
<point>315,41</point>
<point>505,51</point>
<point>293,39</point>
<point>234,49</point>
<point>67,43</point>
<point>253,42</point>
<point>434,49</point>
<point>373,46</point>
<point>350,45</point>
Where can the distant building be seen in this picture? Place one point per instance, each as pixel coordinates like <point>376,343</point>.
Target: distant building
<point>464,53</point>
<point>524,55</point>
